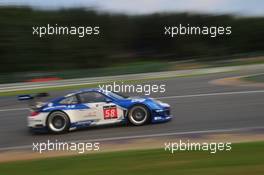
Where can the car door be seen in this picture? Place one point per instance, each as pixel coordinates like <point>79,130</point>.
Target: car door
<point>74,109</point>
<point>100,109</point>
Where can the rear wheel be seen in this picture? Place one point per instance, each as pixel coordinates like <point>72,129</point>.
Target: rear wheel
<point>58,122</point>
<point>138,115</point>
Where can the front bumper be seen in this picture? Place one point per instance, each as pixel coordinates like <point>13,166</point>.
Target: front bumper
<point>160,119</point>
<point>161,115</point>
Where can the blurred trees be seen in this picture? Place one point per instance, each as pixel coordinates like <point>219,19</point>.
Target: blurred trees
<point>123,39</point>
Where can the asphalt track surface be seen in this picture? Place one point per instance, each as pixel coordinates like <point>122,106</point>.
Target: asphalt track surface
<point>196,105</point>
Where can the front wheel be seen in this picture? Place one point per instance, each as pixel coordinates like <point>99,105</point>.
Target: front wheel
<point>138,115</point>
<point>58,122</point>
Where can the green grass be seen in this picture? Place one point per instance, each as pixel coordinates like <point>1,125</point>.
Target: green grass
<point>245,158</point>
<point>255,78</point>
<point>131,68</point>
<point>32,91</point>
<point>127,68</point>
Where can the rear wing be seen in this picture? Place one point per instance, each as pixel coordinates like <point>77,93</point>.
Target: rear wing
<point>32,97</point>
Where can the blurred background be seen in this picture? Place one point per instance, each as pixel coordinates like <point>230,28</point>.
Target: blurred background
<point>131,37</point>
<point>212,105</point>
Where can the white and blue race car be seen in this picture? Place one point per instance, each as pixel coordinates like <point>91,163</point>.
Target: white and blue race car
<point>91,107</point>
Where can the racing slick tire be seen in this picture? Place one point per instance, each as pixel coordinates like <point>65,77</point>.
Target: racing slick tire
<point>138,115</point>
<point>58,122</point>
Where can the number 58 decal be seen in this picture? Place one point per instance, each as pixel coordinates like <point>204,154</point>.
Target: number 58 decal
<point>110,112</point>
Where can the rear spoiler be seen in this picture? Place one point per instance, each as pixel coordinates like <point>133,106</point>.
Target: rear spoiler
<point>31,97</point>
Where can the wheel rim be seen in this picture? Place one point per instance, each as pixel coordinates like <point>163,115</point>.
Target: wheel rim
<point>57,123</point>
<point>138,115</point>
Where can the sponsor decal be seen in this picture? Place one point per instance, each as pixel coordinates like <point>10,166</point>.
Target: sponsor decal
<point>110,112</point>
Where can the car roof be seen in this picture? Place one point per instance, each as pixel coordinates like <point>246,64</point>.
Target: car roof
<point>85,90</point>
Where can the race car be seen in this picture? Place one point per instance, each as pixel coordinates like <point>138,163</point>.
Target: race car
<point>91,107</point>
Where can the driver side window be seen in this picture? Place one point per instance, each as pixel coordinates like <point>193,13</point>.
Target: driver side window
<point>92,97</point>
<point>69,100</point>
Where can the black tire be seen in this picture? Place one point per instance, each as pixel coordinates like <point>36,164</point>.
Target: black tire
<point>138,115</point>
<point>58,122</point>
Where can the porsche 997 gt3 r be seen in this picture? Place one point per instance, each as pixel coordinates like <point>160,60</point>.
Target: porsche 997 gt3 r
<point>92,107</point>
